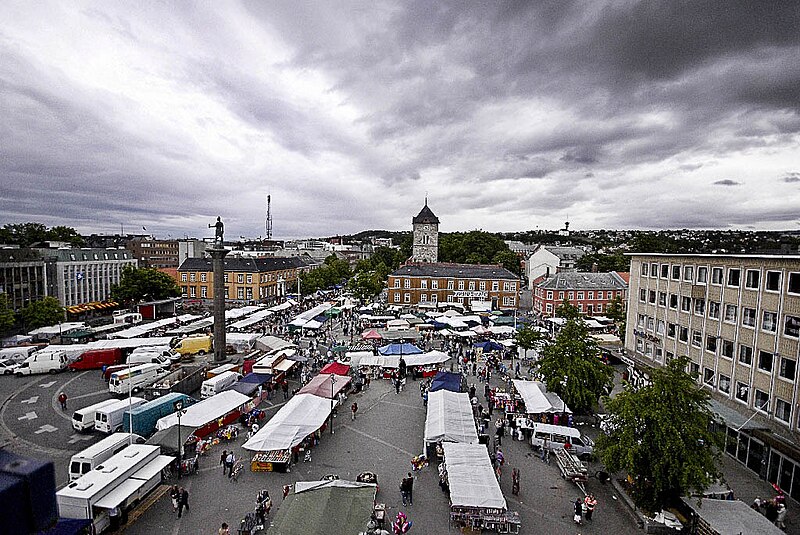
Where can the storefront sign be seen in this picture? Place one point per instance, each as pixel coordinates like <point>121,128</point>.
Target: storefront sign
<point>472,294</point>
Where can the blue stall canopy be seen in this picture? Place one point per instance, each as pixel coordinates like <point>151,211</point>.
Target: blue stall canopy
<point>446,381</point>
<point>249,384</point>
<point>399,349</point>
<point>489,346</point>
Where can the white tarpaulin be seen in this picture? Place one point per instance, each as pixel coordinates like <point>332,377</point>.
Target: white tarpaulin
<point>357,356</point>
<point>389,361</point>
<point>302,415</point>
<point>537,399</point>
<point>471,477</point>
<point>206,411</point>
<point>450,418</point>
<point>424,359</point>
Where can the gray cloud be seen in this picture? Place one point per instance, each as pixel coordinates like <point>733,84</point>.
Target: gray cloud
<point>791,178</point>
<point>727,182</point>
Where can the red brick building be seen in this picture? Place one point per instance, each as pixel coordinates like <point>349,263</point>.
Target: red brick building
<point>589,292</point>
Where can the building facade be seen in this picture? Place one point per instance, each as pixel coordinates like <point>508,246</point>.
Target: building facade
<point>425,245</point>
<point>427,283</point>
<point>737,317</point>
<point>547,260</point>
<point>25,277</point>
<point>152,253</point>
<point>87,275</point>
<point>589,292</point>
<point>246,279</point>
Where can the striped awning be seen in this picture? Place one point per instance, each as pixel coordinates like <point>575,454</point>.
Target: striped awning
<point>95,305</point>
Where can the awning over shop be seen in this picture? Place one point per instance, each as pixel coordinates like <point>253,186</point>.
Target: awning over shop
<point>380,361</point>
<point>426,359</point>
<point>272,343</point>
<point>732,417</point>
<point>206,411</point>
<point>471,477</point>
<point>450,418</point>
<point>302,415</point>
<point>95,305</point>
<point>336,367</point>
<point>321,385</point>
<point>491,345</point>
<point>168,438</point>
<point>537,399</point>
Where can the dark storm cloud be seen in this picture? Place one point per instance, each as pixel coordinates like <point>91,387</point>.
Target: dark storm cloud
<point>727,182</point>
<point>791,178</point>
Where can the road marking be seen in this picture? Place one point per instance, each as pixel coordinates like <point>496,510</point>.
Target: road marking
<point>28,416</point>
<point>376,439</point>
<point>91,394</point>
<point>76,437</point>
<point>48,385</point>
<point>30,400</point>
<point>47,428</point>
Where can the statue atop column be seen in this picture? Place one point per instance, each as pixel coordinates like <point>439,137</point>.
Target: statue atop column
<point>219,229</point>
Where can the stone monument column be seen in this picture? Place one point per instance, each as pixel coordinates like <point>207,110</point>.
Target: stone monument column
<point>218,253</point>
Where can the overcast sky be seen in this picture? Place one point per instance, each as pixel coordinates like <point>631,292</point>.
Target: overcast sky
<point>510,115</point>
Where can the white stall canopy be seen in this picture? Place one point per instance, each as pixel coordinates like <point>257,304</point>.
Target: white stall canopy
<point>302,415</point>
<point>471,477</point>
<point>425,359</point>
<point>450,418</point>
<point>537,399</point>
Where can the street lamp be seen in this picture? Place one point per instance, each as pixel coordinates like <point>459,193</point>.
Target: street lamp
<point>333,381</point>
<point>178,405</point>
<point>130,405</point>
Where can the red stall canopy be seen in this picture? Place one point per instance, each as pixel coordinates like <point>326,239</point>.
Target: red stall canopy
<point>321,386</point>
<point>336,367</point>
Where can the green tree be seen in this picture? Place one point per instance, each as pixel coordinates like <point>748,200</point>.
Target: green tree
<point>366,284</point>
<point>138,284</point>
<point>604,262</point>
<point>567,310</point>
<point>660,435</point>
<point>616,311</point>
<point>571,368</point>
<point>509,260</point>
<point>66,234</point>
<point>527,338</point>
<point>47,311</point>
<point>7,316</point>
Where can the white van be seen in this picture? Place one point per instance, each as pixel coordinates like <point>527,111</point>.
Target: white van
<point>148,357</point>
<point>134,378</point>
<point>83,419</point>
<point>17,354</point>
<point>98,452</point>
<point>555,436</point>
<point>43,362</point>
<point>218,383</point>
<point>109,418</point>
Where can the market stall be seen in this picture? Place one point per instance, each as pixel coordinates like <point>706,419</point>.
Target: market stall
<point>302,416</point>
<point>427,364</point>
<point>446,381</point>
<point>210,414</point>
<point>449,419</point>
<point>326,385</point>
<point>537,399</point>
<point>336,367</point>
<point>475,496</point>
<point>404,349</point>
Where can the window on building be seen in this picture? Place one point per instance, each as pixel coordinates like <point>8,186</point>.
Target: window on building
<point>734,277</point>
<point>773,281</point>
<point>783,410</point>
<point>654,270</point>
<point>794,283</point>
<point>708,376</point>
<point>589,295</point>
<point>249,278</point>
<point>748,317</point>
<point>434,298</point>
<point>580,308</point>
<point>580,297</point>
<point>686,304</point>
<point>225,277</point>
<point>702,275</point>
<point>788,368</point>
<point>660,326</point>
<point>397,283</point>
<point>472,285</point>
<point>406,284</point>
<point>730,313</point>
<point>460,285</point>
<point>716,275</point>
<point>673,301</point>
<point>434,284</point>
<point>423,298</point>
<point>203,277</point>
<point>659,354</point>
<point>645,269</point>
<point>670,356</point>
<point>396,297</point>
<point>249,292</point>
<point>406,298</point>
<point>509,301</point>
<point>548,308</point>
<point>192,291</point>
<point>791,327</point>
<point>640,345</point>
<point>227,293</point>
<point>651,322</point>
<point>694,370</point>
<point>240,293</point>
<point>642,295</point>
<point>495,286</point>
<point>752,279</point>
<point>648,350</point>
<point>688,273</point>
<point>683,334</point>
<point>204,291</point>
<point>676,273</point>
<point>571,296</point>
<point>450,284</point>
<point>746,355</point>
<point>700,306</point>
<point>192,277</point>
<point>561,296</point>
<point>742,391</point>
<point>599,307</point>
<point>726,349</point>
<point>769,321</point>
<point>662,299</point>
<point>423,284</point>
<point>724,383</point>
<point>697,339</point>
<point>664,271</point>
<point>713,310</point>
<point>765,361</point>
<point>671,330</point>
<point>640,321</point>
<point>482,286</point>
<point>240,278</point>
<point>711,344</point>
<point>184,277</point>
<point>761,401</point>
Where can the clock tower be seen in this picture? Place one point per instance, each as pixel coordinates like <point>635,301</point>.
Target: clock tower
<point>426,236</point>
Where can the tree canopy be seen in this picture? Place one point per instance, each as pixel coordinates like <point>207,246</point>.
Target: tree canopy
<point>332,272</point>
<point>604,262</point>
<point>571,368</point>
<point>477,247</point>
<point>26,234</point>
<point>660,435</point>
<point>7,317</point>
<point>139,284</point>
<point>527,338</point>
<point>42,313</point>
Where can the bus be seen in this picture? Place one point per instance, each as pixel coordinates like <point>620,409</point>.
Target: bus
<point>91,457</point>
<point>83,419</point>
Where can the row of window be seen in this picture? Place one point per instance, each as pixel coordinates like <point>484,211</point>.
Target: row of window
<point>752,277</point>
<point>590,295</point>
<point>241,292</point>
<point>96,256</point>
<point>594,308</point>
<point>433,298</point>
<point>240,277</point>
<point>508,286</point>
<point>728,313</point>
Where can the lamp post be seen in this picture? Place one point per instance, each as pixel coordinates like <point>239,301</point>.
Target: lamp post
<point>130,406</point>
<point>178,405</point>
<point>333,381</point>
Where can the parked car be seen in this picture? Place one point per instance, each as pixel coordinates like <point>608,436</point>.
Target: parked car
<point>7,367</point>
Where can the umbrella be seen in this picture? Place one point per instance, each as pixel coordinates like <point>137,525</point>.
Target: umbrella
<point>371,334</point>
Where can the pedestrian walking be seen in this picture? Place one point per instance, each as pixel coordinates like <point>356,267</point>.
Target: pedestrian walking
<point>224,530</point>
<point>590,502</point>
<point>183,500</point>
<point>62,398</point>
<point>173,495</point>
<point>407,489</point>
<point>222,459</point>
<point>285,388</point>
<point>229,462</point>
<point>397,385</point>
<point>780,520</point>
<point>354,409</point>
<point>578,515</point>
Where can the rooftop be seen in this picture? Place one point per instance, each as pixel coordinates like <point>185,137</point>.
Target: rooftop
<point>584,281</point>
<point>425,216</point>
<point>254,265</point>
<point>442,269</point>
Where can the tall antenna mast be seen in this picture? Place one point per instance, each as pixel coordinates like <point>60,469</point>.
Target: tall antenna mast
<point>268,226</point>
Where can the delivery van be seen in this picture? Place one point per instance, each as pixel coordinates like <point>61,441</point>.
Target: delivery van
<point>83,419</point>
<point>18,354</point>
<point>193,344</point>
<point>163,350</point>
<point>94,359</point>
<point>218,383</point>
<point>135,378</point>
<point>43,362</point>
<point>97,453</point>
<point>109,418</point>
<point>148,357</point>
<point>556,436</point>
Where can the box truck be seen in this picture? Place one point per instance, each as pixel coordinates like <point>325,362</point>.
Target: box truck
<point>94,359</point>
<point>145,416</point>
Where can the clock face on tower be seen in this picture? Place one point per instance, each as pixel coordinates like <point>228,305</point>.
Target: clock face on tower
<point>426,228</point>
